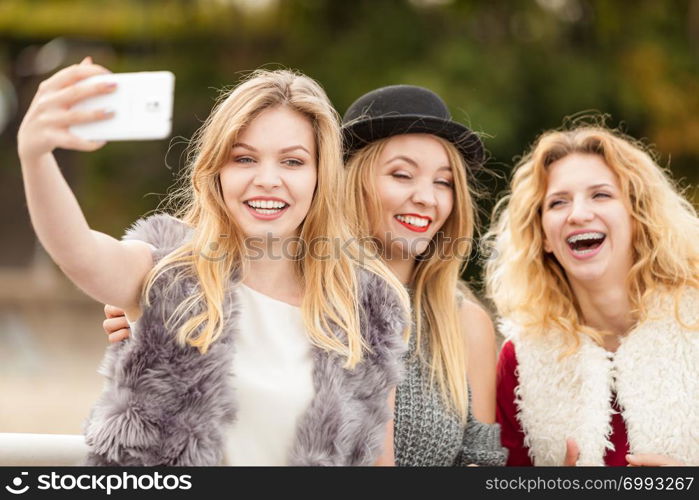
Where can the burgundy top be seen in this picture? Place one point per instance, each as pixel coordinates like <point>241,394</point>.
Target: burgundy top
<point>511,430</point>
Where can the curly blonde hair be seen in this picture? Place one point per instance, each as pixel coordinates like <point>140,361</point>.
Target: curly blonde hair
<point>529,285</point>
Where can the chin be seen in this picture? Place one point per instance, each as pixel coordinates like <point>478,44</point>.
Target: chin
<point>587,275</point>
<point>420,250</point>
<point>251,231</point>
<point>415,248</point>
<point>399,251</point>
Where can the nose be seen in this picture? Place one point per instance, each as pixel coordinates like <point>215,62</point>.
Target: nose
<point>267,175</point>
<point>424,194</point>
<point>580,212</point>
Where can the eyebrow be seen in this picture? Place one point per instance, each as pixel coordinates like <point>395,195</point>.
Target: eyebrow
<point>285,150</point>
<point>404,158</point>
<point>293,148</point>
<point>591,188</point>
<point>414,163</point>
<point>243,145</point>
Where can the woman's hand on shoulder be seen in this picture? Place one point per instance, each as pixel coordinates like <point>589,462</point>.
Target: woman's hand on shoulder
<point>116,325</point>
<point>45,126</point>
<point>482,359</point>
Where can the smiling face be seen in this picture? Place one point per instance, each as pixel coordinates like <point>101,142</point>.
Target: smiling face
<point>414,184</point>
<point>587,225</point>
<point>269,180</point>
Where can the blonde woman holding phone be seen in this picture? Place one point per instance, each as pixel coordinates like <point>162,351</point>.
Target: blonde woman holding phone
<point>206,378</point>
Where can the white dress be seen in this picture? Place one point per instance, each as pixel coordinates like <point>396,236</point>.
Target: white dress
<point>273,380</point>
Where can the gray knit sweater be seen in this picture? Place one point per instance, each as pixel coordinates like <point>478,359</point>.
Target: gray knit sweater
<point>428,433</point>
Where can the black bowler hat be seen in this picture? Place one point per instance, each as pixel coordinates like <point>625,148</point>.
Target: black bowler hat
<point>406,109</point>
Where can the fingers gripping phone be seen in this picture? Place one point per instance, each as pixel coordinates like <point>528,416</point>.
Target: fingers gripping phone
<point>142,106</point>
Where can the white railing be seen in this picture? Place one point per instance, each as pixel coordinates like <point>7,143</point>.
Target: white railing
<point>42,449</point>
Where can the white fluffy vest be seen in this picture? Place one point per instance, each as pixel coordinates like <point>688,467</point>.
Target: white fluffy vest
<point>655,374</point>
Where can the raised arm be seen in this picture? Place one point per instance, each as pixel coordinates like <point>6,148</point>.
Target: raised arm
<point>107,269</point>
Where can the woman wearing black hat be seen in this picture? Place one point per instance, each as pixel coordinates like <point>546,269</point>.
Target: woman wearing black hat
<point>408,166</point>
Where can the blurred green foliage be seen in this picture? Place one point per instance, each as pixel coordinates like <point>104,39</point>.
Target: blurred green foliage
<point>510,69</point>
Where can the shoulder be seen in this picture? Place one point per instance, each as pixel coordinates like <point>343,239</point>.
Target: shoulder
<point>471,310</point>
<point>476,322</point>
<point>539,347</point>
<point>688,305</point>
<point>517,334</point>
<point>164,234</point>
<point>162,231</point>
<point>474,314</point>
<point>672,311</point>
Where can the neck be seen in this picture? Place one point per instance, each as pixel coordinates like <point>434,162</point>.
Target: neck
<point>403,268</point>
<point>274,274</point>
<point>605,307</point>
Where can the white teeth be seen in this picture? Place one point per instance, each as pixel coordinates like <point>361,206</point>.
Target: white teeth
<point>267,204</point>
<point>413,221</point>
<point>585,236</point>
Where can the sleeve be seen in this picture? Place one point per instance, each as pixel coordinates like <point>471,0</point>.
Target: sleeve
<point>481,444</point>
<point>512,436</point>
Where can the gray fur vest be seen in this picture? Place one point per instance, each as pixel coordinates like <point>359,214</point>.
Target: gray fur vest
<point>167,404</point>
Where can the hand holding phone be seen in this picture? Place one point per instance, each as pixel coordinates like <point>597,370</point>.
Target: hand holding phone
<point>141,105</point>
<point>46,124</point>
<point>82,106</point>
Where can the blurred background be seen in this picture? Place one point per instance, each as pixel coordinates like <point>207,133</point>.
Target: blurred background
<point>509,69</point>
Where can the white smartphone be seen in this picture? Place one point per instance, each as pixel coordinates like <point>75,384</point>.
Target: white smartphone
<point>142,106</point>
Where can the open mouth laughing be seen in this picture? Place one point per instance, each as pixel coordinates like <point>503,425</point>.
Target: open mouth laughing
<point>585,244</point>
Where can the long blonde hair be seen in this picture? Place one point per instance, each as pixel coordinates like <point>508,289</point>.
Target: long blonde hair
<point>330,285</point>
<point>530,286</point>
<point>436,275</point>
